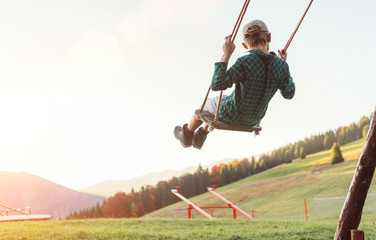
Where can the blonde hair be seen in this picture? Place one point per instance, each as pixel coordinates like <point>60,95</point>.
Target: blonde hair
<point>256,38</point>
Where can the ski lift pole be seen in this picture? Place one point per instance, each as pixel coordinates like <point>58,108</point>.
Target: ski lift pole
<point>296,29</point>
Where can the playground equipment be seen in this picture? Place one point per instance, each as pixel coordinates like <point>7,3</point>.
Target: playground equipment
<point>19,214</point>
<point>208,118</point>
<point>191,205</point>
<point>352,209</point>
<point>211,208</point>
<point>230,204</point>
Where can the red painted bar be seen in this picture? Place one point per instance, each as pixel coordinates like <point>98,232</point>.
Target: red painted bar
<point>230,204</point>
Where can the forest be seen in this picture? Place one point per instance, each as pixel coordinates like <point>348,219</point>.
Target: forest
<point>150,198</point>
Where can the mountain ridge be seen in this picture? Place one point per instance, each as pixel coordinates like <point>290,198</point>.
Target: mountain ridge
<point>20,189</point>
<point>110,187</point>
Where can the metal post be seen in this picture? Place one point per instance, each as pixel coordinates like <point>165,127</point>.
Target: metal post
<point>234,211</point>
<point>253,213</point>
<point>230,204</point>
<point>191,205</point>
<point>189,212</point>
<point>356,196</point>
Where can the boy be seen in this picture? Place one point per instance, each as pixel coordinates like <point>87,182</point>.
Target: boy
<point>257,76</point>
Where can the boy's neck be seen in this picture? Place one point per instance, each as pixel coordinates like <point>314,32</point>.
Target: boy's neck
<point>264,49</point>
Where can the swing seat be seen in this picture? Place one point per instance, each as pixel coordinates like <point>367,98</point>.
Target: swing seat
<point>208,118</point>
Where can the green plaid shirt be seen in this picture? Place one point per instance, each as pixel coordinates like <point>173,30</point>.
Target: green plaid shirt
<point>257,77</point>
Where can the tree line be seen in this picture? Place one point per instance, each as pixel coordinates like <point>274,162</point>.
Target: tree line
<point>150,198</point>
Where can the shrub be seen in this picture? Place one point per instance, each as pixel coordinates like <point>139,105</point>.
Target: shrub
<point>336,154</point>
<point>365,132</point>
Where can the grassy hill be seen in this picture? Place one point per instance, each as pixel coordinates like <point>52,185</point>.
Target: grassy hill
<point>278,194</point>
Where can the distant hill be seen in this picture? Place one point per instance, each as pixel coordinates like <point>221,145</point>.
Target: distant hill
<point>18,190</point>
<point>110,187</point>
<point>278,193</point>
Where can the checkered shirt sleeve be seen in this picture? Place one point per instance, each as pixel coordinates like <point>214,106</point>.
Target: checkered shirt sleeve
<point>256,76</point>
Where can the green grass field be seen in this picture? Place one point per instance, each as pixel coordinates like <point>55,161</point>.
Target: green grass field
<point>112,229</point>
<point>165,229</point>
<point>277,195</point>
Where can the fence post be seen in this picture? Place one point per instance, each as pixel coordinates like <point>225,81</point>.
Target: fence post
<point>306,210</point>
<point>356,196</point>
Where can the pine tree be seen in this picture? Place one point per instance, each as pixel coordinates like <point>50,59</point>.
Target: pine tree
<point>239,172</point>
<point>296,153</point>
<point>302,153</point>
<point>336,154</point>
<point>224,177</point>
<point>364,121</point>
<point>252,167</point>
<point>365,132</point>
<point>329,139</point>
<point>288,156</point>
<point>232,174</point>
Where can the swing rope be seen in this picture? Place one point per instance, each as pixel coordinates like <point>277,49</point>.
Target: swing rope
<point>239,21</point>
<point>233,35</point>
<point>296,29</point>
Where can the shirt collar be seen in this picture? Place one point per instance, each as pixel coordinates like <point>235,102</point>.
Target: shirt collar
<point>262,54</point>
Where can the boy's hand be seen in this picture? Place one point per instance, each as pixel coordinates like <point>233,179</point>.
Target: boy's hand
<point>228,48</point>
<point>282,54</point>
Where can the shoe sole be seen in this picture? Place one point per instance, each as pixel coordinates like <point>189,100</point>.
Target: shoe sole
<point>185,146</point>
<point>199,148</point>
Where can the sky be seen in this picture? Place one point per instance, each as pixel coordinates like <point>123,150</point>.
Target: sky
<point>91,90</point>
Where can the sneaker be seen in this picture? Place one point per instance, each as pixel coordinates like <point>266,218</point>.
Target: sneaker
<point>184,135</point>
<point>199,138</point>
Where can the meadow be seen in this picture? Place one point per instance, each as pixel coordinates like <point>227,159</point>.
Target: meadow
<point>277,195</point>
<point>99,229</point>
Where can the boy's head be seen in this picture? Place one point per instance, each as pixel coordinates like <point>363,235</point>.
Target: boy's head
<point>256,34</point>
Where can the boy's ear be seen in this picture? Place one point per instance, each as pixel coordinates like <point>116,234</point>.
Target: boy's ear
<point>245,45</point>
<point>270,37</point>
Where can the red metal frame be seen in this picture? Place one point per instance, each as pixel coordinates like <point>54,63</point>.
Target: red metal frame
<point>212,208</point>
<point>230,204</point>
<point>191,205</point>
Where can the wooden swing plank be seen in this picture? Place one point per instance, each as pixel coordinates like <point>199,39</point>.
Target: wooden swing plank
<point>208,118</point>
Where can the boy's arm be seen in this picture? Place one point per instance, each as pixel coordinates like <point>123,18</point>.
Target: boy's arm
<point>287,86</point>
<point>288,89</point>
<point>223,79</point>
